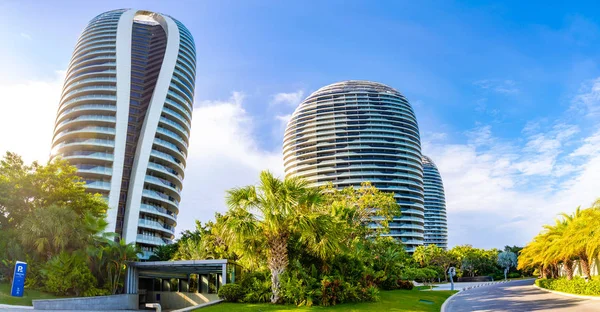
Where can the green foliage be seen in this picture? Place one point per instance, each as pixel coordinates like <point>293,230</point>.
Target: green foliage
<point>257,286</point>
<point>573,237</point>
<point>49,220</point>
<point>577,285</point>
<point>231,292</point>
<point>68,274</point>
<point>164,252</point>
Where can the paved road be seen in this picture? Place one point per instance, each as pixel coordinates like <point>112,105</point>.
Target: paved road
<point>517,296</point>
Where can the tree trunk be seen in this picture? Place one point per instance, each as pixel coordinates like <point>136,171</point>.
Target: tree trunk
<point>568,267</point>
<point>278,262</point>
<point>544,271</point>
<point>585,265</point>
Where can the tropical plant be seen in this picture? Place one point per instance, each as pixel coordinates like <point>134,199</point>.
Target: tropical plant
<point>118,254</point>
<point>271,213</point>
<point>573,237</point>
<point>507,260</point>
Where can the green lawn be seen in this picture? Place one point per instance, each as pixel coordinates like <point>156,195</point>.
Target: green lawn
<point>6,298</point>
<point>390,301</point>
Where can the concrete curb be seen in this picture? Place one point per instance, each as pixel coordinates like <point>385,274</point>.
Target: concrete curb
<point>15,307</point>
<point>443,309</point>
<point>568,294</point>
<point>199,306</point>
<point>486,284</point>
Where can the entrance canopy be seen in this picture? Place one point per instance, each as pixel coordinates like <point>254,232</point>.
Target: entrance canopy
<point>226,269</point>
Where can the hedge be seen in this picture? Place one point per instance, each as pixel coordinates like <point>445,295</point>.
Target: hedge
<point>577,285</point>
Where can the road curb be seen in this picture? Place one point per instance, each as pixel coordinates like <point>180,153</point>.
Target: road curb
<point>443,309</point>
<point>568,294</point>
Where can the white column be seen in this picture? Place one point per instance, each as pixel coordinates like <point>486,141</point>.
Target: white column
<point>124,29</point>
<point>148,131</point>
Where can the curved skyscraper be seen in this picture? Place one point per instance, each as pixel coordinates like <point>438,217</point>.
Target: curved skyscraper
<point>436,228</point>
<point>350,132</point>
<point>124,119</point>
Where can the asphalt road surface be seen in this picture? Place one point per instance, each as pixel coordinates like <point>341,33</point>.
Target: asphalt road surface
<point>517,296</point>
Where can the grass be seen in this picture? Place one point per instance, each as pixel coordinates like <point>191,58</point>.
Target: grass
<point>390,301</point>
<point>30,294</point>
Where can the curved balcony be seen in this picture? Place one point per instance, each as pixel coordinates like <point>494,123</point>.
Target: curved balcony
<point>183,133</point>
<point>89,155</point>
<point>103,88</point>
<point>161,197</point>
<point>99,170</point>
<point>86,118</point>
<point>159,211</point>
<point>157,226</point>
<point>85,98</point>
<point>168,158</point>
<point>184,101</point>
<point>90,80</point>
<point>107,72</point>
<point>151,240</point>
<point>166,170</point>
<point>91,69</point>
<point>179,107</point>
<point>170,146</point>
<point>93,142</point>
<point>175,190</point>
<point>176,139</point>
<point>88,108</point>
<point>88,130</point>
<point>98,185</point>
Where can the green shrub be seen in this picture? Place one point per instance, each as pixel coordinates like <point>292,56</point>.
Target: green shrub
<point>257,286</point>
<point>231,292</point>
<point>514,275</point>
<point>408,285</point>
<point>68,274</point>
<point>577,285</point>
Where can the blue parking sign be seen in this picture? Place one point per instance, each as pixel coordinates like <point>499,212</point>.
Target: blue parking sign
<point>18,283</point>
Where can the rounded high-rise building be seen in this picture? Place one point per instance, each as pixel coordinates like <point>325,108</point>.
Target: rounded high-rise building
<point>124,119</point>
<point>436,227</point>
<point>351,132</point>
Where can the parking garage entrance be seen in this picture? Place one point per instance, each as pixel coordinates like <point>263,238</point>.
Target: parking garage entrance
<point>179,284</point>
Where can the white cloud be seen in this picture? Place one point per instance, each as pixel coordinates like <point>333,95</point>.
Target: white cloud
<point>590,147</point>
<point>506,86</point>
<point>587,101</point>
<point>291,99</point>
<point>223,154</point>
<point>27,118</point>
<point>26,36</point>
<point>501,192</point>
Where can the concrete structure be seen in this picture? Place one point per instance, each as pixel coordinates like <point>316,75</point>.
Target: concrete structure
<point>100,303</point>
<point>124,119</point>
<point>179,284</point>
<point>436,225</point>
<point>351,132</point>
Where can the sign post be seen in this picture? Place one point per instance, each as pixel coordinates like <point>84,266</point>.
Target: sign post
<point>18,283</point>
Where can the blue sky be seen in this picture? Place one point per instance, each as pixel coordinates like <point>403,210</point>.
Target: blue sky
<point>507,94</point>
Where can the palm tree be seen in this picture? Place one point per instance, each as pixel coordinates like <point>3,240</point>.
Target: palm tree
<point>271,213</point>
<point>117,255</point>
<point>577,238</point>
<point>555,251</point>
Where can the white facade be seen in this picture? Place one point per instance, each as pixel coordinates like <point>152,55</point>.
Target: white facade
<point>124,119</point>
<point>351,132</point>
